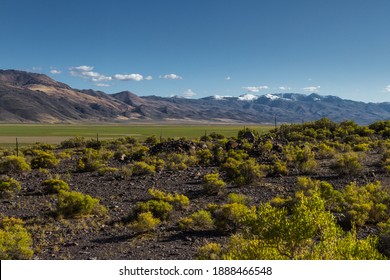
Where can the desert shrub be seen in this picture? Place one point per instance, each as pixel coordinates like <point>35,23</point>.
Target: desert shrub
<point>75,205</point>
<point>42,159</point>
<point>238,154</point>
<point>243,172</point>
<point>43,146</point>
<point>178,201</point>
<point>107,170</point>
<point>278,167</point>
<point>64,155</point>
<point>205,157</point>
<point>15,241</point>
<point>13,164</point>
<point>217,136</point>
<point>364,204</point>
<point>158,163</point>
<point>75,142</point>
<point>307,231</point>
<point>212,183</point>
<point>238,198</point>
<point>362,147</point>
<point>301,158</point>
<point>198,221</point>
<point>159,208</point>
<point>341,147</point>
<point>55,186</point>
<point>137,152</point>
<point>230,217</point>
<point>324,151</point>
<point>131,140</point>
<point>205,138</point>
<point>381,127</point>
<point>145,222</point>
<point>120,152</point>
<point>151,140</point>
<point>127,171</point>
<point>8,186</point>
<point>210,251</point>
<point>385,161</point>
<point>309,186</point>
<point>142,168</point>
<point>384,238</point>
<point>347,164</point>
<point>246,145</point>
<point>93,144</point>
<point>176,161</point>
<point>90,161</point>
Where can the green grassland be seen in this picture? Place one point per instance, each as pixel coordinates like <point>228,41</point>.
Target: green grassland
<point>54,134</point>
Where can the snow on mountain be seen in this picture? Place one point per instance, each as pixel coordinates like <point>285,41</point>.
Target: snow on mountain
<point>248,97</point>
<point>221,97</point>
<point>272,97</point>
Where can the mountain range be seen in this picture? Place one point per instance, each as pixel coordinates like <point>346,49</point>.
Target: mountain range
<point>36,98</point>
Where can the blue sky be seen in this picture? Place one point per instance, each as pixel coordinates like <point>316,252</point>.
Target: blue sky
<point>198,48</point>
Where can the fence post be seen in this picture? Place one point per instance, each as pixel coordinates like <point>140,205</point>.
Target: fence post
<point>17,147</point>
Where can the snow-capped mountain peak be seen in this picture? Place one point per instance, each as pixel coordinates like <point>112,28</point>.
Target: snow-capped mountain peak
<point>248,97</point>
<point>271,96</point>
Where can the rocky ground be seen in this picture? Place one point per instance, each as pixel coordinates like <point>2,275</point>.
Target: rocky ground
<point>112,238</point>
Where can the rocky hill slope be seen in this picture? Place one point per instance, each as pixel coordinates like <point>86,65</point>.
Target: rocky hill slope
<point>36,98</point>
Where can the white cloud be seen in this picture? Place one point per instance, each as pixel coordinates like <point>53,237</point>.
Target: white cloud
<point>228,78</point>
<point>312,89</point>
<point>284,88</point>
<point>255,89</point>
<point>83,68</point>
<point>148,78</point>
<point>129,77</point>
<point>55,71</point>
<point>102,85</point>
<point>387,89</point>
<point>171,77</point>
<point>87,73</point>
<point>189,93</point>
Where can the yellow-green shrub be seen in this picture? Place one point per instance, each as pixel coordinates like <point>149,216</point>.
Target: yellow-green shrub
<point>142,168</point>
<point>212,184</point>
<point>14,164</point>
<point>367,203</point>
<point>42,159</point>
<point>160,209</point>
<point>324,151</point>
<point>8,186</point>
<point>75,204</point>
<point>198,221</point>
<point>210,251</point>
<point>205,157</point>
<point>238,198</point>
<point>178,201</point>
<point>307,231</point>
<point>15,241</point>
<point>347,164</point>
<point>90,161</point>
<point>230,217</point>
<point>301,158</point>
<point>243,172</point>
<point>145,222</point>
<point>107,170</point>
<point>55,186</point>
